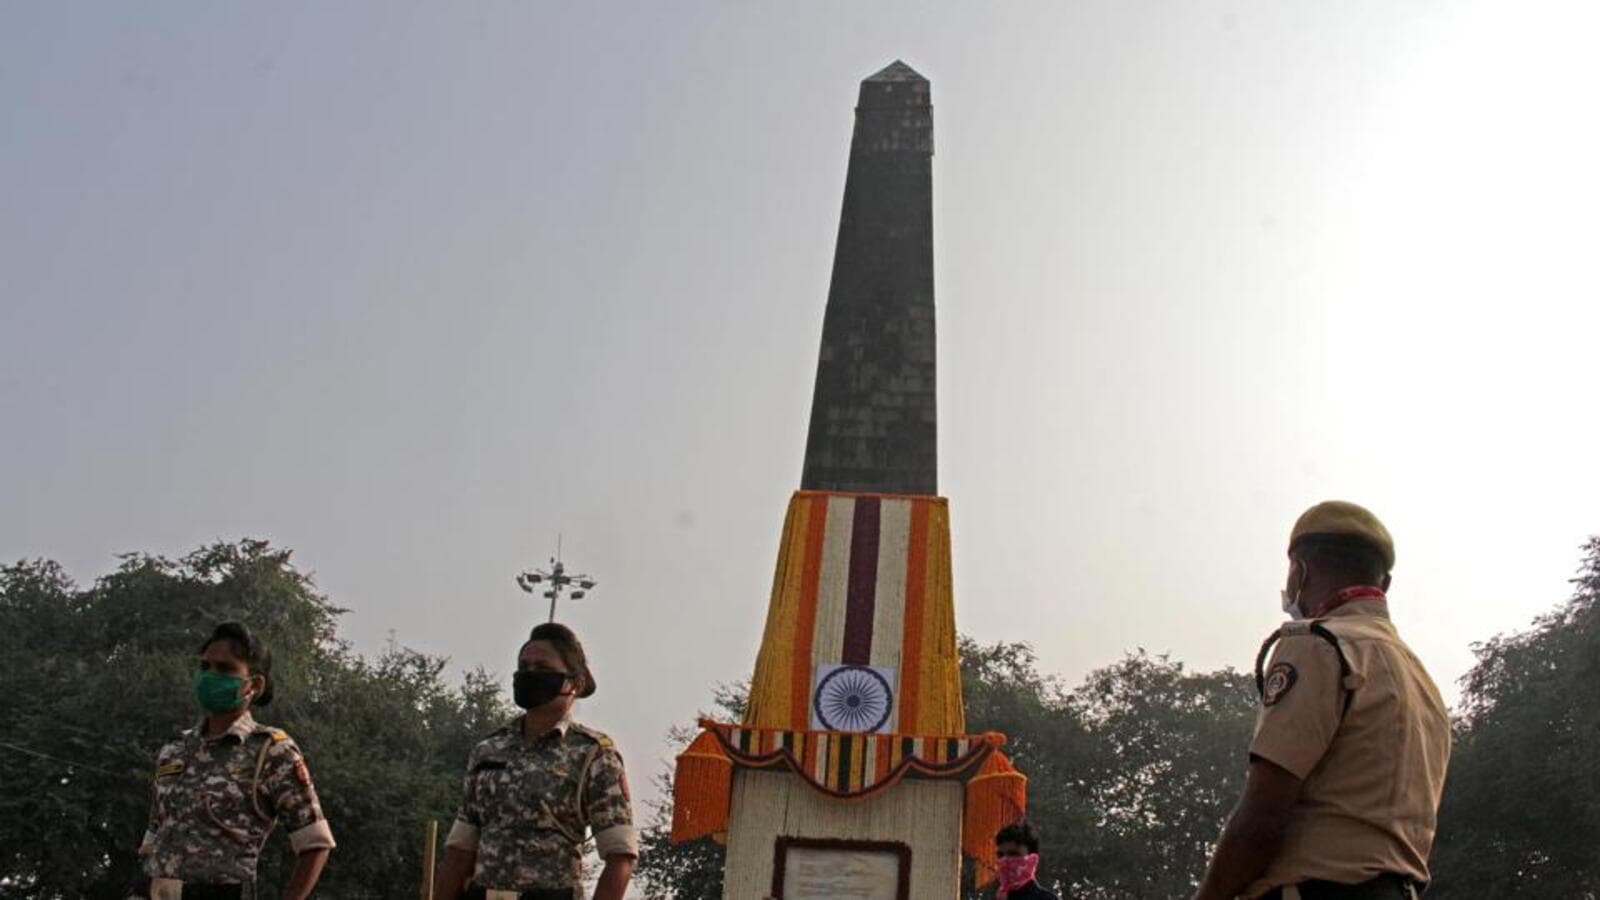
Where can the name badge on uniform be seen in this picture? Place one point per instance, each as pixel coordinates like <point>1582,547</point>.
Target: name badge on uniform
<point>170,769</point>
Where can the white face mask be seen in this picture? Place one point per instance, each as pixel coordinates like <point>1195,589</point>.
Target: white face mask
<point>1291,605</point>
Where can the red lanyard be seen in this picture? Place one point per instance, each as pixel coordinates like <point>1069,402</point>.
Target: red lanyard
<point>1352,595</point>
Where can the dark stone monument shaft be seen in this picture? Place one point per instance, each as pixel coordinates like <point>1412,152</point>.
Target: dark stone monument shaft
<point>874,426</point>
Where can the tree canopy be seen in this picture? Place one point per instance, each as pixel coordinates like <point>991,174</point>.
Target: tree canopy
<point>1521,813</point>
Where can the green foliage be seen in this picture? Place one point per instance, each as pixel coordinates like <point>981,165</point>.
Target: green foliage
<point>1522,805</point>
<point>1130,775</point>
<point>693,869</point>
<point>100,677</point>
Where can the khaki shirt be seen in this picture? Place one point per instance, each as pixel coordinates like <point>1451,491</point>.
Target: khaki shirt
<point>1373,778</point>
<point>216,799</point>
<point>528,805</point>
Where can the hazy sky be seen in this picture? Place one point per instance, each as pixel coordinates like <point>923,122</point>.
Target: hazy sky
<point>411,288</point>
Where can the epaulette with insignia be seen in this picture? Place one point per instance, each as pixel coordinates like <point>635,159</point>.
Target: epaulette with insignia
<point>1297,628</point>
<point>598,737</point>
<point>276,735</point>
<point>1348,682</point>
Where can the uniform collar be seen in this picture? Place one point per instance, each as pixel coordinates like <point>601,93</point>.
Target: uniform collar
<point>514,727</point>
<point>1377,607</point>
<point>1360,593</point>
<point>241,728</point>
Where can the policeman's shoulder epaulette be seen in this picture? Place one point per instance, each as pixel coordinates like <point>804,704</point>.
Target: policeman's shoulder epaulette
<point>1296,628</point>
<point>1313,628</point>
<point>598,737</point>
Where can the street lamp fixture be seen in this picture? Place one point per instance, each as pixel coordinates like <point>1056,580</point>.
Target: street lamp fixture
<point>555,582</point>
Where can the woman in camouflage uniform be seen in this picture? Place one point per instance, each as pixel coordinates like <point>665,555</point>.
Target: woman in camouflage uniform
<point>221,787</point>
<point>536,786</point>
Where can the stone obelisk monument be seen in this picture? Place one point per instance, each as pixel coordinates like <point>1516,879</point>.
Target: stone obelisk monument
<point>852,773</point>
<point>873,416</point>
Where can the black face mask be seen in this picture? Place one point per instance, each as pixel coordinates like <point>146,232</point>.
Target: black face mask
<point>532,689</point>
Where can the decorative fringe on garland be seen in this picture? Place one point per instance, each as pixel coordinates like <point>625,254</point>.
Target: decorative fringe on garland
<point>996,797</point>
<point>701,789</point>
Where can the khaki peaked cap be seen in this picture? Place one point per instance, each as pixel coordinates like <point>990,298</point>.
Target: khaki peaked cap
<point>1339,519</point>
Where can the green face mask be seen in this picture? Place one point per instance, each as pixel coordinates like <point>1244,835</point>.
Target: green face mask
<point>218,693</point>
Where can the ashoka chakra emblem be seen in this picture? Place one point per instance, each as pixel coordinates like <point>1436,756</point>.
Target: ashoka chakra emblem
<point>853,698</point>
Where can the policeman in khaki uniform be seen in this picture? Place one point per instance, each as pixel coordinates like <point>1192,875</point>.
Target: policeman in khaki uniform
<point>1347,765</point>
<point>535,787</point>
<point>221,788</point>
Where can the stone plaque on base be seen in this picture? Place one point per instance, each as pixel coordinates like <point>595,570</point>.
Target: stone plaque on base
<point>806,869</point>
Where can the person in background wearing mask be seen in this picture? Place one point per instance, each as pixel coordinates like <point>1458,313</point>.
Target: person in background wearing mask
<point>1017,847</point>
<point>534,788</point>
<point>1348,761</point>
<point>222,786</point>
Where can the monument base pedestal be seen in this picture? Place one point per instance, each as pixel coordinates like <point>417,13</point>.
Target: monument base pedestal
<point>923,816</point>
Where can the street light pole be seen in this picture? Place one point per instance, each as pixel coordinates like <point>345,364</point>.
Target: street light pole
<point>557,581</point>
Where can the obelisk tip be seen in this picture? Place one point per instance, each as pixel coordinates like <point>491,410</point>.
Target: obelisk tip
<point>897,71</point>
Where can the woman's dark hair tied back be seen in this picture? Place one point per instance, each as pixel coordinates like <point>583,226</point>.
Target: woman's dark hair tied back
<point>253,651</point>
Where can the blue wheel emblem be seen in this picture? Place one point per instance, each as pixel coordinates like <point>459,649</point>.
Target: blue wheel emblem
<point>853,698</point>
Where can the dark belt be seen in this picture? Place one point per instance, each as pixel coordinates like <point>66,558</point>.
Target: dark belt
<point>1384,887</point>
<point>218,891</point>
<point>478,892</point>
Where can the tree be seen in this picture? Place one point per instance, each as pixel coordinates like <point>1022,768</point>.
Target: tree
<point>1130,775</point>
<point>98,679</point>
<point>692,869</point>
<point>1521,813</point>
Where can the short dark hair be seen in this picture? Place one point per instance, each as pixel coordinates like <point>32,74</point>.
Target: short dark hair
<point>1343,558</point>
<point>1019,833</point>
<point>255,653</point>
<point>567,645</point>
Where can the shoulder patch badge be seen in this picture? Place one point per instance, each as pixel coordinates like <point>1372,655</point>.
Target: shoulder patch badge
<point>301,774</point>
<point>169,769</point>
<point>1280,678</point>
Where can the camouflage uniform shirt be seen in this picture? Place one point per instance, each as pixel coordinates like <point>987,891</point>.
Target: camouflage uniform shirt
<point>528,805</point>
<point>216,799</point>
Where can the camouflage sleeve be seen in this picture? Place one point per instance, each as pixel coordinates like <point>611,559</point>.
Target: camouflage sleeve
<point>164,759</point>
<point>607,806</point>
<point>464,830</point>
<point>290,796</point>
